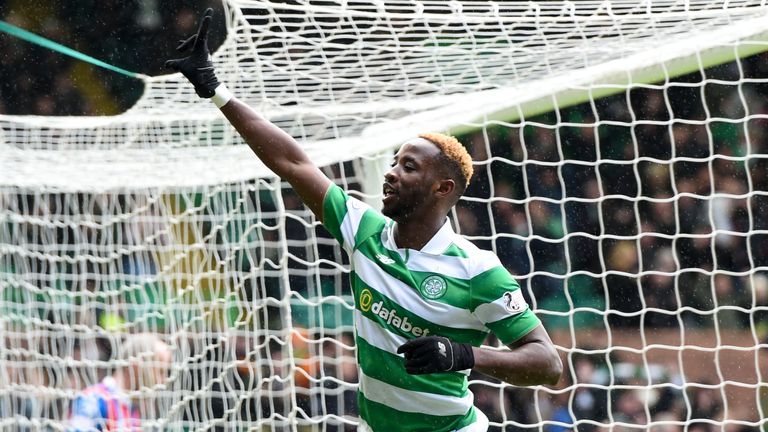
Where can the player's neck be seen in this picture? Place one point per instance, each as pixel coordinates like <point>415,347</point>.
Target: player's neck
<point>416,233</point>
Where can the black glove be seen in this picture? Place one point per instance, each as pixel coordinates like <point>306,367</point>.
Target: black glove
<point>198,67</point>
<point>430,354</point>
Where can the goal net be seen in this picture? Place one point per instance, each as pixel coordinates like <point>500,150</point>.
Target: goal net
<point>621,176</point>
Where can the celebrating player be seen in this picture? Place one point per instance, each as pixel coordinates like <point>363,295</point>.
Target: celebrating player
<point>425,297</point>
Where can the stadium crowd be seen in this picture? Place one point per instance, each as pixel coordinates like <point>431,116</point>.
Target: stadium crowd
<point>665,243</point>
<point>136,35</point>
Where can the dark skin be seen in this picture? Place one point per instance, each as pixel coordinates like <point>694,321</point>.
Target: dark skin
<point>419,194</point>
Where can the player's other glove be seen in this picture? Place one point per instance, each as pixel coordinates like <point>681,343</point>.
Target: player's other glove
<point>198,67</point>
<point>430,354</point>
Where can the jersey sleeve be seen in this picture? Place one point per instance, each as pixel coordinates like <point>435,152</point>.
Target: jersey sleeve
<point>498,302</point>
<point>348,219</point>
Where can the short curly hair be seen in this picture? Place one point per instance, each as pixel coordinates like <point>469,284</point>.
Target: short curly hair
<point>459,160</point>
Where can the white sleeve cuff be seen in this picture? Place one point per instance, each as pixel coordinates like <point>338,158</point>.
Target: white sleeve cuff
<point>221,96</point>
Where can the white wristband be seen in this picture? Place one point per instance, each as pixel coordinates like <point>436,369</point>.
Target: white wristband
<point>221,96</point>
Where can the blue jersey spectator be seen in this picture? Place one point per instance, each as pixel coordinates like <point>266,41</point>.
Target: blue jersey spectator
<point>107,406</point>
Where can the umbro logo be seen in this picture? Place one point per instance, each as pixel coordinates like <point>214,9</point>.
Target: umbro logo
<point>384,259</point>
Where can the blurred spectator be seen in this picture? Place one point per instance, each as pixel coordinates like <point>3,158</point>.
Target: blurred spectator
<point>561,414</point>
<point>134,35</point>
<point>667,422</point>
<point>111,404</point>
<point>706,403</point>
<point>590,396</point>
<point>629,408</point>
<point>623,287</point>
<point>339,376</point>
<point>19,369</point>
<point>659,290</point>
<point>757,285</point>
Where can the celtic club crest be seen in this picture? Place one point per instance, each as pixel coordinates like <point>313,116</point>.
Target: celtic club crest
<point>433,287</point>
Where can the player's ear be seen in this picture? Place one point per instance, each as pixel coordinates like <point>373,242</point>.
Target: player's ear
<point>445,188</point>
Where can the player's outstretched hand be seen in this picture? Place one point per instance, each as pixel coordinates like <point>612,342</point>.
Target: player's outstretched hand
<point>430,354</point>
<point>198,67</point>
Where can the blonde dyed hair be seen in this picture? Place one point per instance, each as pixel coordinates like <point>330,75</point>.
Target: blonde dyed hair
<point>455,152</point>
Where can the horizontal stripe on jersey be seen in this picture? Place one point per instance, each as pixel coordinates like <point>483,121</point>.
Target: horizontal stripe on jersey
<point>515,327</point>
<point>418,268</point>
<point>459,267</point>
<point>384,418</point>
<point>409,297</point>
<point>376,335</point>
<point>414,401</point>
<point>397,319</point>
<point>489,306</point>
<point>379,364</point>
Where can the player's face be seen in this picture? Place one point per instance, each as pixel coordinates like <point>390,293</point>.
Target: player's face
<point>150,375</point>
<point>408,184</point>
<point>160,371</point>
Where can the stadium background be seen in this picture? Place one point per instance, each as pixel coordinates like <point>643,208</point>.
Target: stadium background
<point>36,81</point>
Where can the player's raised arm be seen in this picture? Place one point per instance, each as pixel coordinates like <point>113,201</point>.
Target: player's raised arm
<point>278,150</point>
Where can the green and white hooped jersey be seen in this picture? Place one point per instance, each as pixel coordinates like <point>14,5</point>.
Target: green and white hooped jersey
<point>449,288</point>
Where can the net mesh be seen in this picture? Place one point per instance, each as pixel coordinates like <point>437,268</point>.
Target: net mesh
<point>620,177</point>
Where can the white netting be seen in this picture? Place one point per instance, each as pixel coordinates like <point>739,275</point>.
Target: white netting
<point>341,70</point>
<point>635,222</point>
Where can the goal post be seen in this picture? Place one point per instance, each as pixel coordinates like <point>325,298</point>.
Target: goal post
<point>620,158</point>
